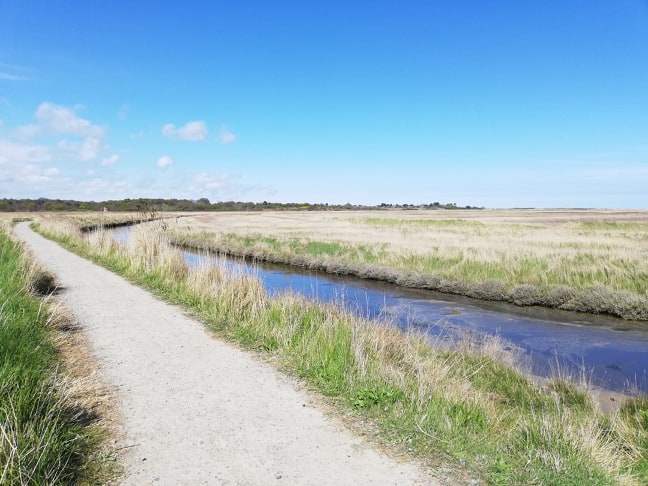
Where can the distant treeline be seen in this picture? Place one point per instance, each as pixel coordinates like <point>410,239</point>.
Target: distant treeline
<point>143,204</point>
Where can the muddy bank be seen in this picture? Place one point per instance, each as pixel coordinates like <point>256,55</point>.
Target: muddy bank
<point>115,224</point>
<point>592,300</point>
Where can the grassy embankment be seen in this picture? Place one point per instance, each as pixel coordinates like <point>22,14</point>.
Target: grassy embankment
<point>464,407</point>
<point>47,430</point>
<point>579,265</point>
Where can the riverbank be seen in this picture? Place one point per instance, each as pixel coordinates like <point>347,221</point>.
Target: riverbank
<point>583,261</point>
<point>612,353</point>
<point>464,405</point>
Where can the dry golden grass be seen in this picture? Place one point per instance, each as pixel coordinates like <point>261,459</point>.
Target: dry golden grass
<point>486,236</point>
<point>343,225</point>
<point>584,260</point>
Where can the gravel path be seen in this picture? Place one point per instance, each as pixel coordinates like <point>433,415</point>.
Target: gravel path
<point>196,410</point>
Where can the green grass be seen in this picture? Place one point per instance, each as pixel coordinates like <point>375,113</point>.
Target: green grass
<point>558,274</point>
<point>44,434</point>
<point>274,249</point>
<point>462,409</point>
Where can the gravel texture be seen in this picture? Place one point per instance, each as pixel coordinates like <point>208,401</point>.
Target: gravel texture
<point>195,410</point>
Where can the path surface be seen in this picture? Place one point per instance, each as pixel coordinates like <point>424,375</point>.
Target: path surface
<point>196,410</point>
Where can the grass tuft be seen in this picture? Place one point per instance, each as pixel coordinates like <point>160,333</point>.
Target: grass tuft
<point>40,281</point>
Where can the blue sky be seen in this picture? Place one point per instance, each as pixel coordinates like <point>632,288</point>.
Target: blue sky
<point>495,104</point>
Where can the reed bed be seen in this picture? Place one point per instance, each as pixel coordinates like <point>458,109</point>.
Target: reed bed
<point>587,261</point>
<point>461,408</point>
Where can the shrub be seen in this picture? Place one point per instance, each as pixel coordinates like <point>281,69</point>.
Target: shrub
<point>559,296</point>
<point>602,299</point>
<point>526,294</point>
<point>488,290</point>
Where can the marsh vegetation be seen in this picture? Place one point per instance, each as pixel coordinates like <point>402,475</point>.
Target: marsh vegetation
<point>587,261</point>
<point>467,407</point>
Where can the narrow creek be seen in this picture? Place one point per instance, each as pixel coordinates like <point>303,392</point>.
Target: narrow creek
<point>610,352</point>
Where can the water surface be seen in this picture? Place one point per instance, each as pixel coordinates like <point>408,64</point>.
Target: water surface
<point>613,353</point>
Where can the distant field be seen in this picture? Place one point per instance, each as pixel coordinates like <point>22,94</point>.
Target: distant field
<point>586,260</point>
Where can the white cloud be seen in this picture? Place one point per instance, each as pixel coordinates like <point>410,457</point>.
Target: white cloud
<point>204,180</point>
<point>39,159</point>
<point>34,174</point>
<point>226,136</point>
<point>164,162</point>
<point>13,72</point>
<point>88,149</point>
<point>216,186</point>
<point>96,189</point>
<point>112,160</point>
<point>60,120</point>
<point>11,152</point>
<point>193,131</point>
<point>26,132</point>
<point>19,177</point>
<point>12,77</point>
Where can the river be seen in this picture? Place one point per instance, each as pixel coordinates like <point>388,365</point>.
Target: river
<point>611,352</point>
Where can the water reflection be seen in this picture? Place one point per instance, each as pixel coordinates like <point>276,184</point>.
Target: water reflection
<point>612,357</point>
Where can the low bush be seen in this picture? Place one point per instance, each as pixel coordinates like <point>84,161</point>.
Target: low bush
<point>557,297</point>
<point>600,299</point>
<point>526,294</point>
<point>488,290</point>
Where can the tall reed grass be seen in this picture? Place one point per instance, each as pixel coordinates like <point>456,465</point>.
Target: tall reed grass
<point>463,407</point>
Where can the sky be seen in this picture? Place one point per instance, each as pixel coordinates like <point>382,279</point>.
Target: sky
<point>496,104</point>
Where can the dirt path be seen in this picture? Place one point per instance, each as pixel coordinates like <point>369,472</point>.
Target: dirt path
<point>196,410</point>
